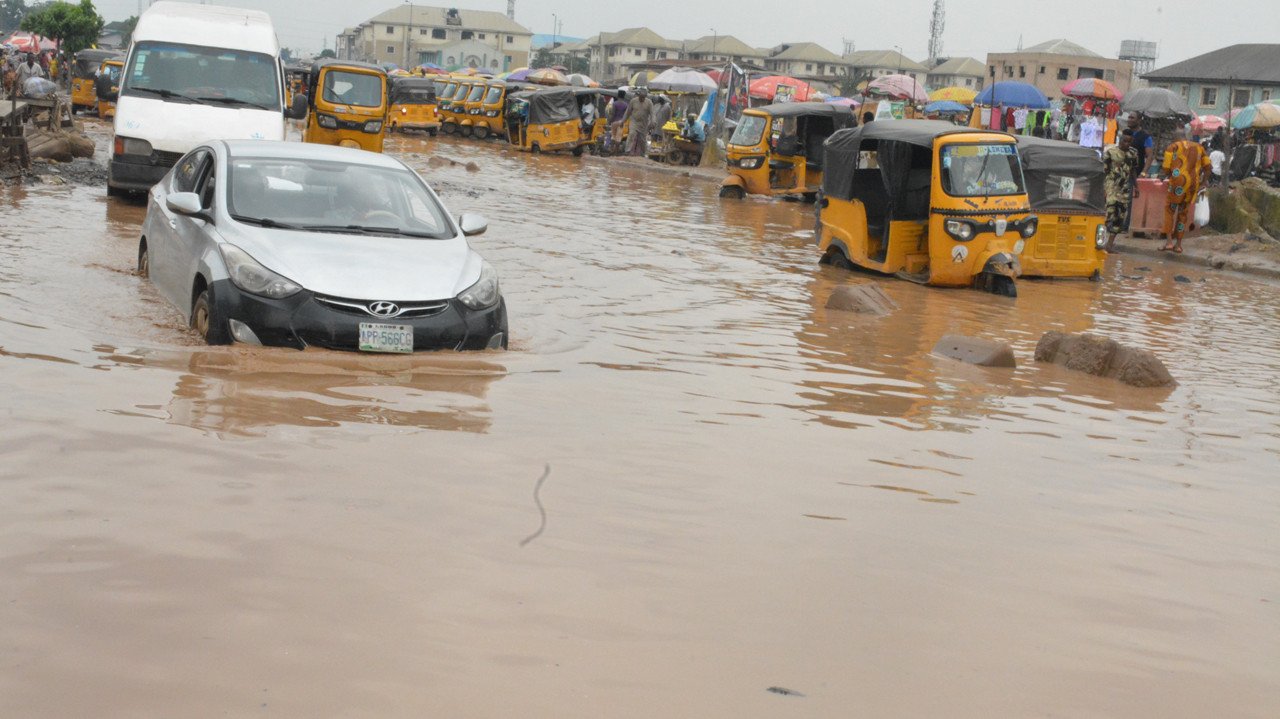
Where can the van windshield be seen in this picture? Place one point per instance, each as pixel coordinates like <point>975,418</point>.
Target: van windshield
<point>749,131</point>
<point>203,75</point>
<point>352,88</point>
<point>981,170</point>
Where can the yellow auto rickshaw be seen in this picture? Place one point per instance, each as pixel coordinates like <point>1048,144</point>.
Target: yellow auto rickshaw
<point>485,116</point>
<point>777,149</point>
<point>446,88</point>
<point>108,85</point>
<point>927,201</point>
<point>84,73</point>
<point>413,105</point>
<point>295,82</point>
<point>546,120</point>
<point>471,106</point>
<point>453,113</point>
<point>347,103</point>
<point>1065,184</point>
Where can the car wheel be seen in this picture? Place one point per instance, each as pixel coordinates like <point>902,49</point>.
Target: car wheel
<point>206,321</point>
<point>144,260</point>
<point>481,132</point>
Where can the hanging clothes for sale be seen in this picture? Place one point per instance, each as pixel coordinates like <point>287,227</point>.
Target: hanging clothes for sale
<point>1009,119</point>
<point>1020,118</point>
<point>1109,136</point>
<point>997,118</point>
<point>1091,133</point>
<point>985,117</point>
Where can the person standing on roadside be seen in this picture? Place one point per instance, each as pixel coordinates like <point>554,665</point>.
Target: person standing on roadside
<point>640,114</point>
<point>1118,163</point>
<point>26,71</point>
<point>1143,143</point>
<point>661,116</point>
<point>617,114</point>
<point>1217,159</point>
<point>1185,166</point>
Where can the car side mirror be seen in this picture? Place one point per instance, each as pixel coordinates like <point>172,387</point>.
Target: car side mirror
<point>298,109</point>
<point>473,225</point>
<point>105,90</point>
<point>187,203</point>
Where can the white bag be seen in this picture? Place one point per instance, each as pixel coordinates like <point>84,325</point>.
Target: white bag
<point>1201,217</point>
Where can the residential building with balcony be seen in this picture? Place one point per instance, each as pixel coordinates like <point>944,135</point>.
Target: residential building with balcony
<point>806,60</point>
<point>611,52</point>
<point>409,35</point>
<point>871,64</point>
<point>1052,64</point>
<point>963,72</point>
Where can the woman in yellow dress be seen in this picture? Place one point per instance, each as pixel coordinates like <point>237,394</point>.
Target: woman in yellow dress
<point>1186,165</point>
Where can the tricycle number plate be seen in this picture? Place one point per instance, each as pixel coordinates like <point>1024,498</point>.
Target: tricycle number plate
<point>385,338</point>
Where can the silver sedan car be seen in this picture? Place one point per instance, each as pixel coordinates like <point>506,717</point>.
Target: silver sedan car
<point>296,245</point>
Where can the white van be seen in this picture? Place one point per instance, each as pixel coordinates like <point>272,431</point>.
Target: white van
<point>194,73</point>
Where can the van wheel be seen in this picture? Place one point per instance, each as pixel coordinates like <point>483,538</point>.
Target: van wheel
<point>481,132</point>
<point>144,260</point>
<point>206,321</point>
<point>732,191</point>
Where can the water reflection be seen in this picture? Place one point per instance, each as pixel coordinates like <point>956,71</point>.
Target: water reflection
<point>250,391</point>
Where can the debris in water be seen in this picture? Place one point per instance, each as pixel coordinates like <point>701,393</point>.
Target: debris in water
<point>784,691</point>
<point>537,487</point>
<point>1181,278</point>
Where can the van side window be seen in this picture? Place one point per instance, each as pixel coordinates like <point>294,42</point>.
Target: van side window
<point>189,169</point>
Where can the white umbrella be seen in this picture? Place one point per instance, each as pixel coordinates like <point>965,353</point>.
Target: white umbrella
<point>683,79</point>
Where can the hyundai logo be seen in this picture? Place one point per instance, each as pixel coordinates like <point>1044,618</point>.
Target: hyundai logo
<point>383,309</point>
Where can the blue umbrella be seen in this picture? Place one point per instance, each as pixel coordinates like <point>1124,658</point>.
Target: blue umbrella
<point>944,106</point>
<point>1012,94</point>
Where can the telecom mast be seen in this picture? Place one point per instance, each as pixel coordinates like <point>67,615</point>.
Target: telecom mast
<point>511,9</point>
<point>937,24</point>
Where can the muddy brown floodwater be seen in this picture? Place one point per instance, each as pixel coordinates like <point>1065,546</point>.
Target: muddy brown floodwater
<point>745,491</point>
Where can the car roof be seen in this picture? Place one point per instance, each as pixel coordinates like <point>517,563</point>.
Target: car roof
<point>307,151</point>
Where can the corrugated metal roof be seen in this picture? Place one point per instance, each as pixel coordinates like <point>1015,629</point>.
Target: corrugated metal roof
<point>720,45</point>
<point>1241,63</point>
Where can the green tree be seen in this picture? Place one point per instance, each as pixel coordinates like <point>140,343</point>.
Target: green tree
<point>580,65</point>
<point>542,58</point>
<point>74,27</point>
<point>11,14</point>
<point>327,53</point>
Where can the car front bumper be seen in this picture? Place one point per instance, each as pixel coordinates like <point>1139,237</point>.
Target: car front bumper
<point>302,320</point>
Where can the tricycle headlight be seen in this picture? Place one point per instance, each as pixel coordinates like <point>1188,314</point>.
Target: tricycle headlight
<point>492,113</point>
<point>960,230</point>
<point>328,122</point>
<point>373,126</point>
<point>750,163</point>
<point>484,293</point>
<point>250,276</point>
<point>1029,227</point>
<point>1100,237</point>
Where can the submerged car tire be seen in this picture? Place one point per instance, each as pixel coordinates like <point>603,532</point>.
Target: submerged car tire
<point>144,260</point>
<point>481,132</point>
<point>206,321</point>
<point>732,191</point>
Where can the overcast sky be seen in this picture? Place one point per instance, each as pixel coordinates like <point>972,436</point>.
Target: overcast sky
<point>1183,28</point>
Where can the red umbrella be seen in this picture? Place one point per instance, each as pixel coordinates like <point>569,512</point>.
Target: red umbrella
<point>714,75</point>
<point>899,87</point>
<point>1092,87</point>
<point>1208,123</point>
<point>26,42</point>
<point>766,88</point>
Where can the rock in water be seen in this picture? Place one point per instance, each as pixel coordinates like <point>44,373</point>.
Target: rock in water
<point>864,299</point>
<point>1104,357</point>
<point>975,350</point>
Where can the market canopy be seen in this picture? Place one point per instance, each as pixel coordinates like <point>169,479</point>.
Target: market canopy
<point>898,87</point>
<point>962,95</point>
<point>846,101</point>
<point>546,76</point>
<point>641,78</point>
<point>1012,94</point>
<point>945,106</point>
<point>1264,115</point>
<point>1091,87</point>
<point>766,88</point>
<point>27,42</point>
<point>683,79</point>
<point>577,79</point>
<point>1156,102</point>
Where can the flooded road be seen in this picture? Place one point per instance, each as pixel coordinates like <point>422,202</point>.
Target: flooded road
<point>742,490</point>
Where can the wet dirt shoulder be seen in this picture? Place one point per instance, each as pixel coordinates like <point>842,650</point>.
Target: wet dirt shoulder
<point>1243,253</point>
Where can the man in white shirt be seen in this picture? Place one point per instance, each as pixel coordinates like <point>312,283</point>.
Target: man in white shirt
<point>1217,158</point>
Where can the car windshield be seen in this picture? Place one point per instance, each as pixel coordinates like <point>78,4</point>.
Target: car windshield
<point>749,131</point>
<point>492,96</point>
<point>476,93</point>
<point>981,170</point>
<point>352,88</point>
<point>206,75</point>
<point>327,196</point>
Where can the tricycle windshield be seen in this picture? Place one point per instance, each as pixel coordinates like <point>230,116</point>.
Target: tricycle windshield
<point>477,92</point>
<point>492,95</point>
<point>981,170</point>
<point>352,88</point>
<point>447,92</point>
<point>749,131</point>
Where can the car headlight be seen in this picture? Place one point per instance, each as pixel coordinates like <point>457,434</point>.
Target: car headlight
<point>328,122</point>
<point>1100,237</point>
<point>252,277</point>
<point>959,229</point>
<point>131,146</point>
<point>750,163</point>
<point>484,293</point>
<point>373,126</point>
<point>1029,227</point>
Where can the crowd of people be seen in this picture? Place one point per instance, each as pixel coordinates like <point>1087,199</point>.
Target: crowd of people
<point>19,67</point>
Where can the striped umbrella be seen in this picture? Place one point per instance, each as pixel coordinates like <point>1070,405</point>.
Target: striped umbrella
<point>1092,87</point>
<point>899,87</point>
<point>1264,115</point>
<point>1208,123</point>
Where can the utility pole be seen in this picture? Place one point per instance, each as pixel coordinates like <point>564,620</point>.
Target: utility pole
<point>408,35</point>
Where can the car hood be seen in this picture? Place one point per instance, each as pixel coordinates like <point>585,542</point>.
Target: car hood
<point>364,267</point>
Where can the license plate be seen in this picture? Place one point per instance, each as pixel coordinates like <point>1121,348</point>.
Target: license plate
<point>385,338</point>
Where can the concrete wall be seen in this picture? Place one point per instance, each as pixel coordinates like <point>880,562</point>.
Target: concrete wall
<point>1049,72</point>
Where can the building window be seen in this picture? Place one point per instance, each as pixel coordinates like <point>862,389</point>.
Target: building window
<point>439,34</point>
<point>391,30</point>
<point>391,49</point>
<point>662,55</point>
<point>467,35</point>
<point>1022,71</point>
<point>1063,73</point>
<point>422,31</point>
<point>510,39</point>
<point>1208,96</point>
<point>1042,69</point>
<point>1241,98</point>
<point>1266,96</point>
<point>480,36</point>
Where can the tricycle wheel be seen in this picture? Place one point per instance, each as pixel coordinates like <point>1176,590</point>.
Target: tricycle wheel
<point>577,151</point>
<point>732,191</point>
<point>465,131</point>
<point>481,132</point>
<point>448,128</point>
<point>835,257</point>
<point>536,149</point>
<point>1004,286</point>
